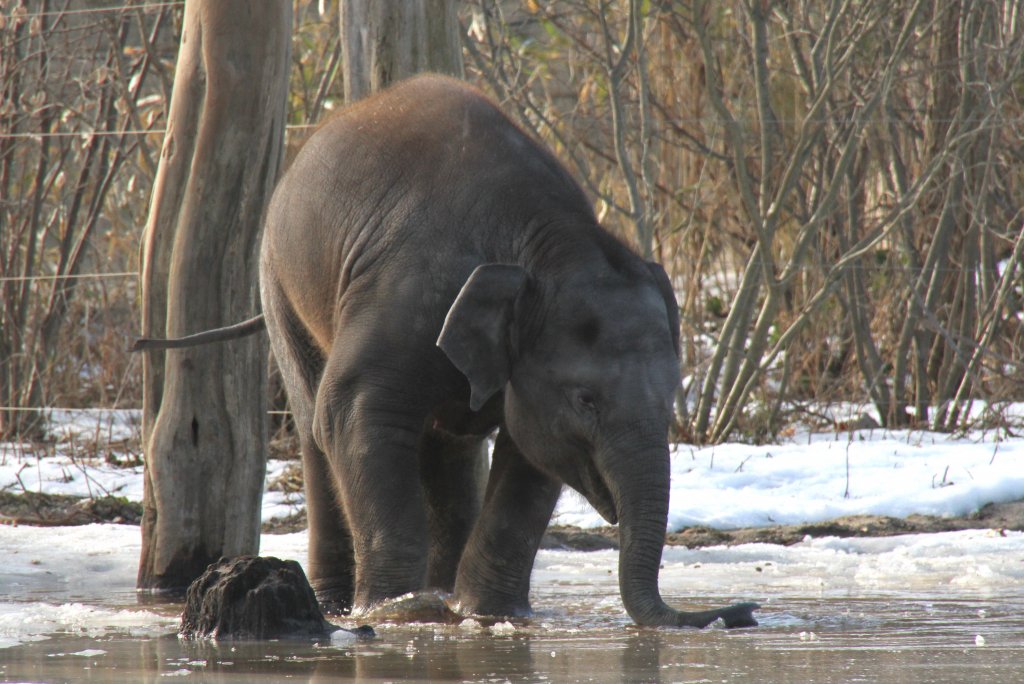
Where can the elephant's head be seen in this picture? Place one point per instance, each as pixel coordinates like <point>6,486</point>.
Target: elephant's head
<point>589,365</point>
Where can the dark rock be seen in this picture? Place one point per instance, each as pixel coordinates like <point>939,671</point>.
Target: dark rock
<point>251,597</point>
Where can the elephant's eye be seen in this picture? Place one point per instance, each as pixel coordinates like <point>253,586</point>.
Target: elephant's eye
<point>585,398</point>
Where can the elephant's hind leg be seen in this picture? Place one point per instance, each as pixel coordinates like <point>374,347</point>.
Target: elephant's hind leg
<point>330,563</point>
<point>368,422</point>
<point>454,473</point>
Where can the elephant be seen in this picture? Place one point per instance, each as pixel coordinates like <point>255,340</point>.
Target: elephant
<point>432,277</point>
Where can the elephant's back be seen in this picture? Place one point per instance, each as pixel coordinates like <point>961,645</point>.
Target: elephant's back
<point>427,175</point>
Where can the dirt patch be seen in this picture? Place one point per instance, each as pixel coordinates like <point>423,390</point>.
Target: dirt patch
<point>296,522</point>
<point>567,538</point>
<point>998,517</point>
<point>59,510</point>
<point>54,510</point>
<point>33,508</point>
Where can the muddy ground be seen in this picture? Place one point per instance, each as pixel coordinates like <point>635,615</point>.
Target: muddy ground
<point>1000,517</point>
<point>33,508</point>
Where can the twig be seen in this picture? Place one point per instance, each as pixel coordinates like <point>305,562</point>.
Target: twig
<point>849,443</point>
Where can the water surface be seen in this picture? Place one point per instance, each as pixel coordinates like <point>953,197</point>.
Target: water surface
<point>936,608</point>
<point>576,637</point>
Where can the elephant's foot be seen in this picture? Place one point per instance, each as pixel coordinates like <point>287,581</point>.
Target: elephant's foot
<point>334,597</point>
<point>739,615</point>
<point>489,605</point>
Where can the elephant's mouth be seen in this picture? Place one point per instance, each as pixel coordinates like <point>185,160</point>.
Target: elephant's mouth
<point>597,493</point>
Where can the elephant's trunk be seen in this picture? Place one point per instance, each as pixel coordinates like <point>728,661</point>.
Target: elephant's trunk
<point>643,515</point>
<point>642,500</point>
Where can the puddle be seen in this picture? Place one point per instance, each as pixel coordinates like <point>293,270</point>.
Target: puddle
<point>833,611</point>
<point>798,641</point>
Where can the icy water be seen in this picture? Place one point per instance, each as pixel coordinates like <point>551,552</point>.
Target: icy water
<point>939,608</point>
<point>825,640</point>
<point>876,640</point>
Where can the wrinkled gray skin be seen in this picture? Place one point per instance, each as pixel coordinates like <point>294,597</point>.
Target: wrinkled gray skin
<point>429,273</point>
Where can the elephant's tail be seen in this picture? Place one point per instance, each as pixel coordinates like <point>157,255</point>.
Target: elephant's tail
<point>228,332</point>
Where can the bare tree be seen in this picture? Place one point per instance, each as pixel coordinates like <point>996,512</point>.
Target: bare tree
<point>204,417</point>
<point>387,40</point>
<point>805,171</point>
<point>70,144</point>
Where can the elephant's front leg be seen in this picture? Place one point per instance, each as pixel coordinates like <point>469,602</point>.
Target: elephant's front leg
<point>372,450</point>
<point>494,574</point>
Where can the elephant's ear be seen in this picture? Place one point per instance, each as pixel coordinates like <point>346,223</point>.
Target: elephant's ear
<point>669,295</point>
<point>476,331</point>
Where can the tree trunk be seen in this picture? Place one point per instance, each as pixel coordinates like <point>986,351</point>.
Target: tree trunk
<point>387,40</point>
<point>204,417</point>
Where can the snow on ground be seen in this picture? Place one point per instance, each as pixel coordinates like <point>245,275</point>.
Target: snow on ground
<point>813,478</point>
<point>75,476</point>
<point>52,579</point>
<point>80,580</point>
<point>808,478</point>
<point>968,564</point>
<point>97,424</point>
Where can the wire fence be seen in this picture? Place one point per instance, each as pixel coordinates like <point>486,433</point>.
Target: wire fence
<point>75,276</point>
<point>31,135</point>
<point>721,279</point>
<point>870,268</point>
<point>96,409</point>
<point>20,12</point>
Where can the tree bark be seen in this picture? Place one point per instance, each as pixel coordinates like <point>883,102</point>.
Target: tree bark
<point>204,417</point>
<point>387,40</point>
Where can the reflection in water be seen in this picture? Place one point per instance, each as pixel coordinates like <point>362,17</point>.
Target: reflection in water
<point>823,640</point>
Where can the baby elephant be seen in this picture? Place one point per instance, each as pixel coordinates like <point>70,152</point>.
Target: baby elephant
<point>430,274</point>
